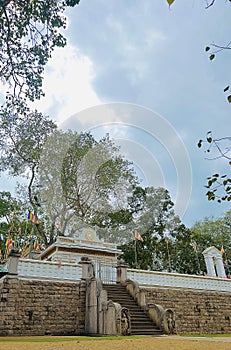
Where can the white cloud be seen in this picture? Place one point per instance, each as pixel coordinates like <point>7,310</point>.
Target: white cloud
<point>68,84</point>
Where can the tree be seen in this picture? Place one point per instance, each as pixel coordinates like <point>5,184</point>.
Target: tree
<point>218,185</point>
<point>91,176</point>
<point>159,228</point>
<point>23,134</point>
<point>15,230</point>
<point>214,232</point>
<point>169,246</point>
<point>72,178</point>
<point>29,32</point>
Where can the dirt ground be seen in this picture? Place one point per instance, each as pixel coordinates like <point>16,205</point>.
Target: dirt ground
<point>145,343</point>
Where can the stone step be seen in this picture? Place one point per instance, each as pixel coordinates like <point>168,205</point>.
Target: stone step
<point>146,332</point>
<point>141,324</point>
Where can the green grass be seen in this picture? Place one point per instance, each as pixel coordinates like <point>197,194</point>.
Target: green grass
<point>62,339</point>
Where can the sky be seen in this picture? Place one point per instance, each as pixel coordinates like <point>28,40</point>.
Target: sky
<point>139,71</point>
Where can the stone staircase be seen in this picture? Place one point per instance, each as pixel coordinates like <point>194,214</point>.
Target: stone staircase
<point>141,324</point>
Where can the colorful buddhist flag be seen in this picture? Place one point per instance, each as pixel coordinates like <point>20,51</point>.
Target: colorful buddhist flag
<point>138,236</point>
<point>222,250</point>
<point>36,246</point>
<point>9,244</point>
<point>33,218</point>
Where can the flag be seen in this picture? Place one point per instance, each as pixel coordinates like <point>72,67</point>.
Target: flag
<point>9,244</point>
<point>59,227</point>
<point>222,250</point>
<point>195,247</point>
<point>33,218</point>
<point>138,236</point>
<point>166,239</point>
<point>36,246</point>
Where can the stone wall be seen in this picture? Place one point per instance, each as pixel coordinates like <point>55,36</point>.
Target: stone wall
<point>39,307</point>
<point>196,311</point>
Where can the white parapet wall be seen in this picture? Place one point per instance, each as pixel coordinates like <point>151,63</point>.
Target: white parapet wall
<point>47,270</point>
<point>174,280</point>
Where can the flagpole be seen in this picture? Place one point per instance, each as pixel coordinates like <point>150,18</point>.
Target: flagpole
<point>225,256</point>
<point>135,254</point>
<point>196,252</point>
<point>198,261</point>
<point>169,261</point>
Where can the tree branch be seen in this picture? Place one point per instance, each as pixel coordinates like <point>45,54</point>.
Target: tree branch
<point>210,4</point>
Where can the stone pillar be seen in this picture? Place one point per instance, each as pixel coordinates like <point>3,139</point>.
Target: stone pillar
<point>91,318</point>
<point>122,272</point>
<point>87,268</point>
<point>210,266</point>
<point>214,263</point>
<point>12,262</point>
<point>220,267</point>
<point>140,297</point>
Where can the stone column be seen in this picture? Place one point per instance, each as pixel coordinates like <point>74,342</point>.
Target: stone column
<point>122,272</point>
<point>210,266</point>
<point>141,298</point>
<point>91,317</point>
<point>87,268</point>
<point>214,263</point>
<point>12,262</point>
<point>220,268</point>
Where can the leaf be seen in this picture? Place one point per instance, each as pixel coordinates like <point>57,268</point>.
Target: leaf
<point>207,48</point>
<point>210,195</point>
<point>229,98</point>
<point>170,2</point>
<point>209,139</point>
<point>226,89</point>
<point>211,57</point>
<point>199,143</point>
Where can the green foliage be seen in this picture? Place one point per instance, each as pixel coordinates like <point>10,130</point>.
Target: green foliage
<point>156,221</point>
<point>182,252</point>
<point>13,222</point>
<point>95,179</point>
<point>214,232</point>
<point>29,32</point>
<point>218,185</point>
<point>23,134</point>
<point>86,182</point>
<point>6,205</point>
